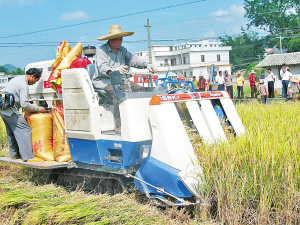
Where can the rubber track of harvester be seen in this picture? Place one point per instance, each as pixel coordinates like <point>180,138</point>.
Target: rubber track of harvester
<point>93,181</point>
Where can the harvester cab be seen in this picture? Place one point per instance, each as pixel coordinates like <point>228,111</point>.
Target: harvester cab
<point>153,151</point>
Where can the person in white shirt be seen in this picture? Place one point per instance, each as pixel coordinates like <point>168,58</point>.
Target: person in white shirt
<point>271,80</point>
<point>220,80</point>
<point>286,76</point>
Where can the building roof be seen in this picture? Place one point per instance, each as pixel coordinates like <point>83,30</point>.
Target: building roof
<point>279,59</point>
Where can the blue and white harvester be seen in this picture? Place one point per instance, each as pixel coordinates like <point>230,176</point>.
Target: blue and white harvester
<point>153,151</point>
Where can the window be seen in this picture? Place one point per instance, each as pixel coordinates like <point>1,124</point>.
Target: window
<point>184,61</point>
<point>218,57</point>
<point>172,62</point>
<point>202,58</point>
<point>166,62</point>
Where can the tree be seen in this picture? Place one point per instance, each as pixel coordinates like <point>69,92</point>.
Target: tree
<point>274,16</point>
<point>3,69</point>
<point>278,17</point>
<point>19,71</point>
<point>247,48</point>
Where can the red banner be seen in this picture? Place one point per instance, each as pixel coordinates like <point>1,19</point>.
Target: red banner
<point>145,79</point>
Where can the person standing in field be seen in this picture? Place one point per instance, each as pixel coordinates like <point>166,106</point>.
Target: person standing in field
<point>293,87</point>
<point>253,84</point>
<point>286,76</point>
<point>196,83</point>
<point>228,82</point>
<point>202,83</point>
<point>240,85</point>
<point>263,92</point>
<point>271,81</point>
<point>220,80</point>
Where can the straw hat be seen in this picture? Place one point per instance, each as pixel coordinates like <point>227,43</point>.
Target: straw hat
<point>201,75</point>
<point>115,31</point>
<point>252,71</point>
<point>239,73</point>
<point>294,79</point>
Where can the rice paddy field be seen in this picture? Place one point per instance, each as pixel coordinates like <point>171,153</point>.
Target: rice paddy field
<point>252,179</point>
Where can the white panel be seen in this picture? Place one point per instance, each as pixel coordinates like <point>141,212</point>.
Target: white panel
<point>73,81</point>
<point>199,122</point>
<point>75,101</point>
<point>233,116</point>
<point>107,118</point>
<point>134,120</point>
<point>77,120</point>
<point>212,120</point>
<point>82,111</point>
<point>171,144</point>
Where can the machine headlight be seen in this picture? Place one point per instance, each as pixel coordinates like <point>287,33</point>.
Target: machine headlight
<point>144,151</point>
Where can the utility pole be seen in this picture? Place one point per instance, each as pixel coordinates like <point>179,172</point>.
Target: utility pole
<point>280,45</point>
<point>149,41</point>
<point>150,50</point>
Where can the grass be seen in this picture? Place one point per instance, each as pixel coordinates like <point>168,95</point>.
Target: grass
<point>252,179</point>
<point>255,179</point>
<point>22,202</point>
<point>3,139</point>
<point>247,91</point>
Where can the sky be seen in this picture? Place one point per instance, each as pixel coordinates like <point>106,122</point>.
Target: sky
<point>31,29</point>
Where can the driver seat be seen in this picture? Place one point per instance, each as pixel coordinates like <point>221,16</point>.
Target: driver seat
<point>104,99</point>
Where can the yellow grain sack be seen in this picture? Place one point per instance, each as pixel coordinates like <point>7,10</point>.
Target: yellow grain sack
<point>63,51</point>
<point>61,147</point>
<point>75,53</point>
<point>41,134</point>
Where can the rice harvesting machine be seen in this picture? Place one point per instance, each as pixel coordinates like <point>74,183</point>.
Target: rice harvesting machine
<point>153,152</point>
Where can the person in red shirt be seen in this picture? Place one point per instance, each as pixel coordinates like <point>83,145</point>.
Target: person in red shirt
<point>202,83</point>
<point>253,84</point>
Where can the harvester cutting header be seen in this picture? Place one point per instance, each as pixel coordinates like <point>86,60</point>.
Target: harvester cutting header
<point>121,134</point>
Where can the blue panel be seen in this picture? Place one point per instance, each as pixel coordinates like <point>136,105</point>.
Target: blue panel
<point>94,152</point>
<point>160,175</point>
<point>130,152</point>
<point>85,151</point>
<point>219,112</point>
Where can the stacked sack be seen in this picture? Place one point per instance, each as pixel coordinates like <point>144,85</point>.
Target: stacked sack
<point>63,60</point>
<point>61,149</point>
<point>42,135</point>
<point>49,139</point>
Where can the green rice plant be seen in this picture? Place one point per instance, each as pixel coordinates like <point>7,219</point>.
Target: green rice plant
<point>255,178</point>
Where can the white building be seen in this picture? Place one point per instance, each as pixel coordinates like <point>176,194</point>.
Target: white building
<point>275,62</point>
<point>190,59</point>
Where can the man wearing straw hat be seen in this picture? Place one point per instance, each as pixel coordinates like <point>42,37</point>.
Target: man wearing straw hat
<point>293,87</point>
<point>112,56</point>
